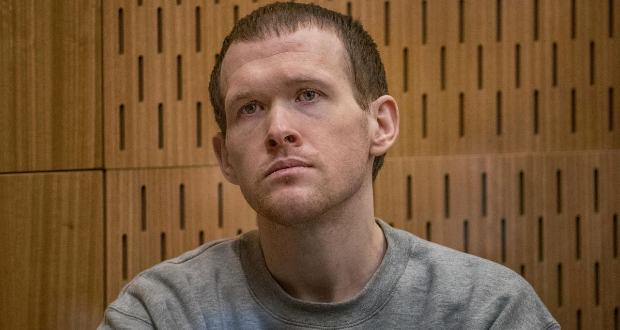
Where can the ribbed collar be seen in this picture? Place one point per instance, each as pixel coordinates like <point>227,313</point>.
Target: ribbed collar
<point>377,292</point>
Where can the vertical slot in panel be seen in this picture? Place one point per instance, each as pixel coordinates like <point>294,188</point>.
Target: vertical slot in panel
<point>592,63</point>
<point>577,238</point>
<point>554,65</point>
<point>541,242</point>
<point>611,18</point>
<point>518,66</point>
<point>616,319</point>
<point>480,67</point>
<point>573,20</point>
<point>483,198</point>
<point>424,117</point>
<point>386,22</point>
<point>182,206</point>
<point>160,31</point>
<point>559,279</point>
<point>140,78</point>
<point>522,270</point>
<point>466,236</point>
<point>198,124</point>
<point>536,20</point>
<point>597,292</point>
<point>162,245</point>
<point>160,125</point>
<point>446,196</point>
<point>220,205</point>
<point>409,199</point>
<point>198,31</point>
<point>140,3</point>
<point>503,240</point>
<point>498,20</point>
<point>424,23</point>
<point>121,128</point>
<point>178,2</point>
<point>521,194</point>
<point>428,231</point>
<point>461,22</point>
<point>499,113</point>
<point>573,111</point>
<point>559,192</point>
<point>442,69</point>
<point>124,257</point>
<point>536,109</point>
<point>405,69</point>
<point>121,32</point>
<point>179,78</point>
<point>143,208</point>
<point>236,14</point>
<point>349,9</point>
<point>596,190</point>
<point>461,114</point>
<point>611,109</point>
<point>578,319</point>
<point>615,236</point>
<point>201,237</point>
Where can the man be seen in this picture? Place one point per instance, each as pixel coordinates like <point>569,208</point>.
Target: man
<point>300,96</point>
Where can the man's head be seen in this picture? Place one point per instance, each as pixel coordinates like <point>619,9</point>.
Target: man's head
<point>365,70</point>
<point>297,137</point>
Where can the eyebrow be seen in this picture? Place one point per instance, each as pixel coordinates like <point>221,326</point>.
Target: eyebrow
<point>288,81</point>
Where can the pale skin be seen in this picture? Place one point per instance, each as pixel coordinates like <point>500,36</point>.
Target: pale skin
<point>301,149</point>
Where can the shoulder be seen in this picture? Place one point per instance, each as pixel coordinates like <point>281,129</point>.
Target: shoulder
<point>455,269</point>
<point>460,286</point>
<point>208,258</point>
<point>173,284</point>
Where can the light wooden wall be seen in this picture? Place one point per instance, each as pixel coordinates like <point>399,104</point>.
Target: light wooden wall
<point>51,156</point>
<point>52,265</point>
<point>509,145</point>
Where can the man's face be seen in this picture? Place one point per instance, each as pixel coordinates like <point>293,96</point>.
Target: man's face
<point>297,142</point>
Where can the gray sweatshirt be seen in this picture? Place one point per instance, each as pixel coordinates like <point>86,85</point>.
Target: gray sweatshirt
<point>419,285</point>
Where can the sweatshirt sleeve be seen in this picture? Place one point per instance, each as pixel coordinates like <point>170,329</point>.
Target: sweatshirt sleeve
<point>118,320</point>
<point>523,310</point>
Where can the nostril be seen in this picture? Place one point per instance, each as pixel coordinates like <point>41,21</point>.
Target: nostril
<point>272,143</point>
<point>289,139</point>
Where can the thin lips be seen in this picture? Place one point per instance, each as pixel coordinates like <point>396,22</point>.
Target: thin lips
<point>285,163</point>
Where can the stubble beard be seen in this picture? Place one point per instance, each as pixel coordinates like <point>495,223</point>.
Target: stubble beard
<point>308,206</point>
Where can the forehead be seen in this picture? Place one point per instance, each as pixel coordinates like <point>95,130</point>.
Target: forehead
<point>306,44</point>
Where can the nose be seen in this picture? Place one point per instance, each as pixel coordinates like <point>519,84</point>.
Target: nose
<point>281,131</point>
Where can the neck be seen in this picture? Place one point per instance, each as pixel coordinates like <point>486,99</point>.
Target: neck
<point>327,260</point>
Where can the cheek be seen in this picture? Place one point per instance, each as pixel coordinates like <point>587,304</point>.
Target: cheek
<point>239,154</point>
<point>349,143</point>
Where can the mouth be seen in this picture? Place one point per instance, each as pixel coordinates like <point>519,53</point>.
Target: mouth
<point>286,165</point>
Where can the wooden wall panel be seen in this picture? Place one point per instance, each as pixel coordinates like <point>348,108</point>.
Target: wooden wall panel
<point>521,213</point>
<point>51,239</point>
<point>157,66</point>
<point>50,86</point>
<point>157,214</point>
<point>500,76</point>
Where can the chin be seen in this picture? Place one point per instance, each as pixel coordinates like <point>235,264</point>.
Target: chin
<point>291,208</point>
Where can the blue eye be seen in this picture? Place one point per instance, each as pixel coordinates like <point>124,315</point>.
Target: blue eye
<point>249,108</point>
<point>308,95</point>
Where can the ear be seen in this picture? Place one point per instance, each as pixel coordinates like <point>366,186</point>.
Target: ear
<point>384,124</point>
<point>221,153</point>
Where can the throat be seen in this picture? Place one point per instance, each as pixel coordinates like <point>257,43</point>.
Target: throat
<point>327,266</point>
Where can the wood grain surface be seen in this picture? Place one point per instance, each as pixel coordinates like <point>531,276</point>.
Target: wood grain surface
<point>52,244</point>
<point>50,95</point>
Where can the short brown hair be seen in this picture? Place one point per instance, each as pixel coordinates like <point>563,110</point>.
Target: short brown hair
<point>367,74</point>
